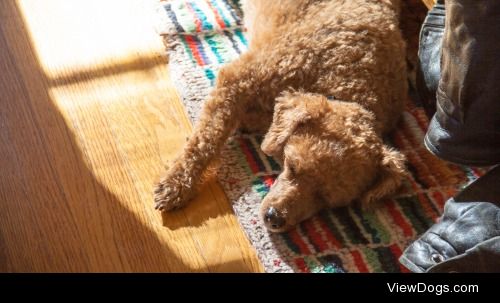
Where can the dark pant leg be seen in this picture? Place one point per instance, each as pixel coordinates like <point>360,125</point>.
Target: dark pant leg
<point>429,57</point>
<point>466,126</point>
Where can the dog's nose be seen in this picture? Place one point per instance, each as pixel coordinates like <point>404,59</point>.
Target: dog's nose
<point>273,218</point>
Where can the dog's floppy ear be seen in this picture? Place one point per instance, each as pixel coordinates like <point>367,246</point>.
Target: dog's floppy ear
<point>290,110</point>
<point>390,177</point>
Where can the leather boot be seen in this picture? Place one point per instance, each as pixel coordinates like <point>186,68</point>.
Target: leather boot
<point>466,238</point>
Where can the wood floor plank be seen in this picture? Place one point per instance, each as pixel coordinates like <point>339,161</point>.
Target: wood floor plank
<point>429,3</point>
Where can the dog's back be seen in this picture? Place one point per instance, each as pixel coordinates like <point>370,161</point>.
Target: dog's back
<point>352,50</point>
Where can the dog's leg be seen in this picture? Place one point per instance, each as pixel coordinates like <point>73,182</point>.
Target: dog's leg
<point>255,75</point>
<point>180,182</point>
<point>220,117</point>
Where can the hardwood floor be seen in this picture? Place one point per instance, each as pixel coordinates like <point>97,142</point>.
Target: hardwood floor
<point>88,117</point>
<point>429,3</point>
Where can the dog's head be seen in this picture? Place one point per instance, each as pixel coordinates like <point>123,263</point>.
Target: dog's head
<point>331,155</point>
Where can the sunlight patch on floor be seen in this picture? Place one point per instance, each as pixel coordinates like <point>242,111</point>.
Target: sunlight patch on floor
<point>82,35</point>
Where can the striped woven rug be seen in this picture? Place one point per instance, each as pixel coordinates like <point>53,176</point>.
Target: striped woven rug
<point>203,35</point>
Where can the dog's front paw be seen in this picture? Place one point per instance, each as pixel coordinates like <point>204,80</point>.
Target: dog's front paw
<point>170,193</point>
